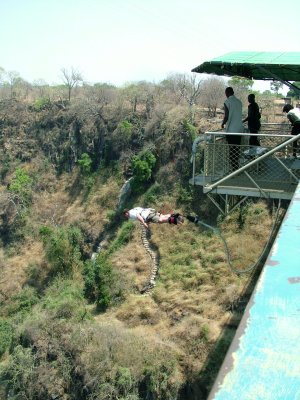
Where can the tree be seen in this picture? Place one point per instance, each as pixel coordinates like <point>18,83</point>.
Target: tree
<point>275,86</point>
<point>212,95</point>
<point>241,83</point>
<point>13,78</point>
<point>292,92</point>
<point>42,88</point>
<point>2,72</point>
<point>186,87</point>
<point>71,79</point>
<point>140,96</point>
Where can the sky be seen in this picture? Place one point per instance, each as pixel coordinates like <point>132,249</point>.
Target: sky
<point>122,41</point>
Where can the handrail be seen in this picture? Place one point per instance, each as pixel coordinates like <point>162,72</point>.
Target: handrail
<point>246,134</point>
<point>209,188</point>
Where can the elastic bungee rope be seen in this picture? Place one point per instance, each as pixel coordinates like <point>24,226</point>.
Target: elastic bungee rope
<point>196,220</point>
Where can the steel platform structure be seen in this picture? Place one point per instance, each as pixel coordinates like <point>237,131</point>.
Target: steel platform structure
<point>268,171</point>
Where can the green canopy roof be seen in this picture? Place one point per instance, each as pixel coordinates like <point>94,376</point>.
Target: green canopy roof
<point>253,65</point>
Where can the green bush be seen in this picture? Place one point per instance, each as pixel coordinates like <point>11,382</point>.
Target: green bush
<point>62,247</point>
<point>21,186</point>
<point>124,236</point>
<point>64,299</point>
<point>159,383</point>
<point>189,128</point>
<point>18,373</point>
<point>23,301</point>
<point>184,194</point>
<point>125,128</point>
<point>41,104</point>
<point>152,194</point>
<point>142,167</point>
<point>111,215</point>
<point>85,164</point>
<point>6,335</point>
<point>100,282</point>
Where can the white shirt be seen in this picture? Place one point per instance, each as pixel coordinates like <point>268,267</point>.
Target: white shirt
<point>234,123</point>
<point>144,212</point>
<point>294,115</point>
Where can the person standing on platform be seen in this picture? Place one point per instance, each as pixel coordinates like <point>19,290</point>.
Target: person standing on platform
<point>233,121</point>
<point>293,115</point>
<point>253,120</point>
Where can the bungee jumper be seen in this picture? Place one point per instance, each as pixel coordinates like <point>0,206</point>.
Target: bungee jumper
<point>147,215</point>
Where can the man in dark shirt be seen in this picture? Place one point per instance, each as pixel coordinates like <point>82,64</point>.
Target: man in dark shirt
<point>253,120</point>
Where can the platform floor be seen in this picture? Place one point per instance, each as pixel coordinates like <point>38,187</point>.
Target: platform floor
<point>272,178</point>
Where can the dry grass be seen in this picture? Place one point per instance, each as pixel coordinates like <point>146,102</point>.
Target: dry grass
<point>110,342</point>
<point>196,290</point>
<point>13,272</point>
<point>139,310</point>
<point>56,203</point>
<point>134,260</point>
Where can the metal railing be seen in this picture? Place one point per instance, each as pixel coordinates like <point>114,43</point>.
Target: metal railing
<point>269,166</point>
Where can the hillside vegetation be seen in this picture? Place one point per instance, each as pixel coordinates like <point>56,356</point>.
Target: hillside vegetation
<point>76,328</point>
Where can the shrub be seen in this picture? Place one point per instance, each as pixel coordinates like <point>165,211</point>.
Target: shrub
<point>159,382</point>
<point>41,104</point>
<point>100,282</point>
<point>142,167</point>
<point>85,164</point>
<point>189,128</point>
<point>152,194</point>
<point>111,215</point>
<point>62,246</point>
<point>184,194</point>
<point>5,165</point>
<point>21,186</point>
<point>64,299</point>
<point>18,373</point>
<point>124,236</point>
<point>125,384</point>
<point>23,301</point>
<point>126,365</point>
<point>6,334</point>
<point>125,127</point>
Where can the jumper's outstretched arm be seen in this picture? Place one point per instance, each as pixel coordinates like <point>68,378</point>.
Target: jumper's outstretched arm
<point>141,219</point>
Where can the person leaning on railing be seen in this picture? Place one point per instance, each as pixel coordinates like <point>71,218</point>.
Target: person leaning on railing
<point>293,115</point>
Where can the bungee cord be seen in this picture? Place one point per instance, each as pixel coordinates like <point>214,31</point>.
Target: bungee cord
<point>196,220</point>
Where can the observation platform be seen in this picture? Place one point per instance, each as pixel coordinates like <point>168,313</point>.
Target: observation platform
<point>268,171</point>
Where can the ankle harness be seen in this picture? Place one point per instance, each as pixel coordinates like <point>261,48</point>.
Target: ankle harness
<point>173,219</point>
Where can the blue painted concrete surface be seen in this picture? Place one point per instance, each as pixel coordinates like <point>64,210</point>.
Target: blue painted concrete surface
<point>263,361</point>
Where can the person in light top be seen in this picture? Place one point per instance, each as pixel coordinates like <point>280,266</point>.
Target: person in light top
<point>293,115</point>
<point>233,121</point>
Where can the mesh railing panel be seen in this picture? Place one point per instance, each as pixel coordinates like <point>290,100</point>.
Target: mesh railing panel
<point>220,159</point>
